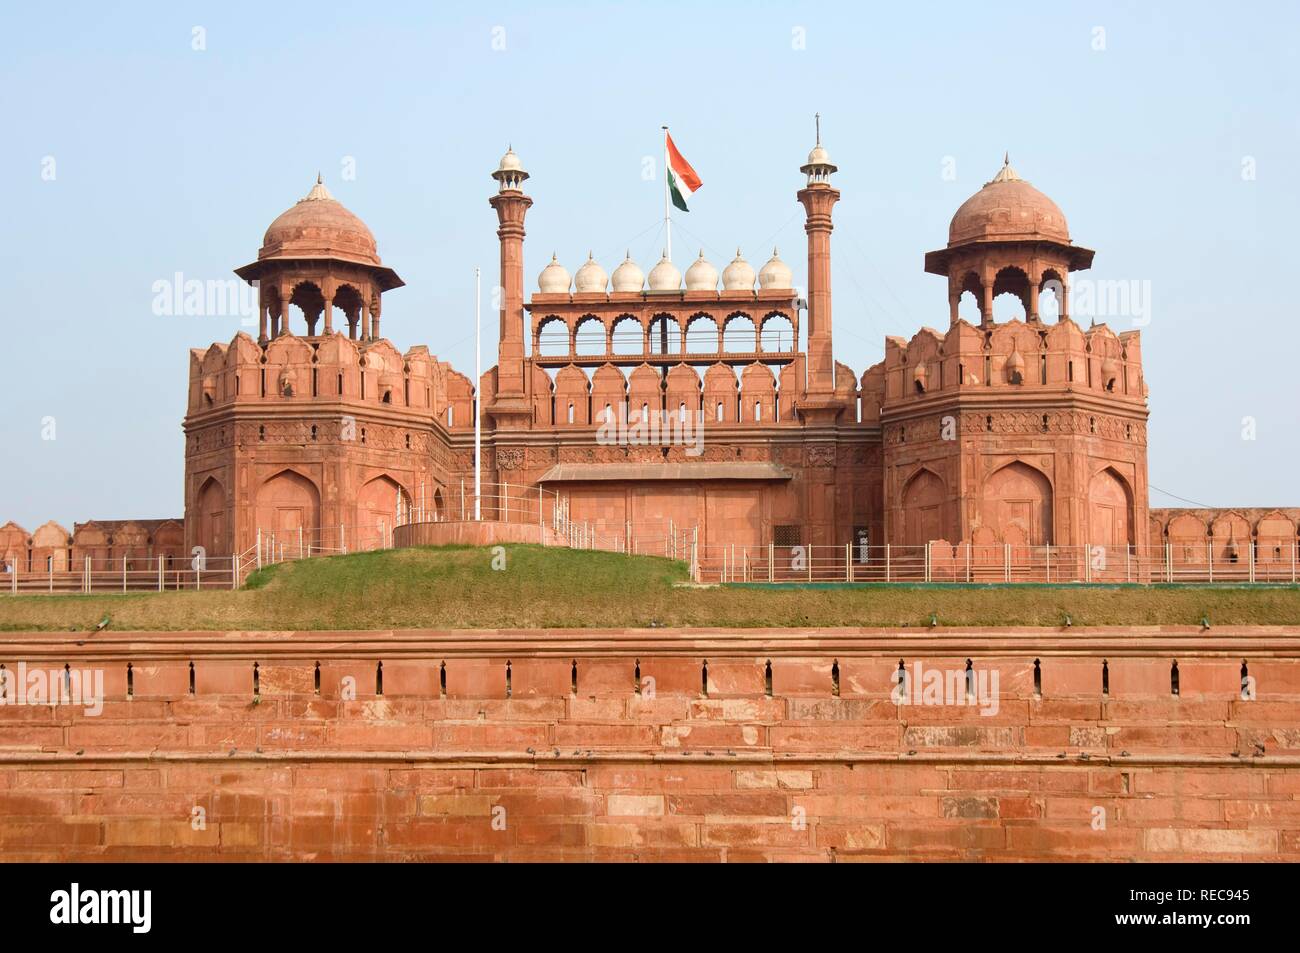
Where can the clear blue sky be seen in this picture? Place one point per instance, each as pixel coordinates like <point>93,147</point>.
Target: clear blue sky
<point>169,159</point>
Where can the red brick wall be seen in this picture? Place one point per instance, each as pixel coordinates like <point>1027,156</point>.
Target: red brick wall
<point>606,773</point>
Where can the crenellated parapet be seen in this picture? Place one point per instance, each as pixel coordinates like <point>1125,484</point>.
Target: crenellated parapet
<point>1230,538</point>
<point>292,371</point>
<point>1016,357</point>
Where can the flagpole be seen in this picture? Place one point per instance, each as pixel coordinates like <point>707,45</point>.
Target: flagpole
<point>478,410</point>
<point>668,222</point>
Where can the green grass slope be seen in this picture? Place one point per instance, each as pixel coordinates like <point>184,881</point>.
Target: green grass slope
<point>457,587</point>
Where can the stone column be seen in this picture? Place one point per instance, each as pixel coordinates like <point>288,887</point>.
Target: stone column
<point>327,289</point>
<point>511,205</point>
<point>818,198</point>
<point>286,291</point>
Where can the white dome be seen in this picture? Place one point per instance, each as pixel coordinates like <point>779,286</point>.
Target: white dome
<point>627,276</point>
<point>553,280</point>
<point>510,162</point>
<point>591,278</point>
<point>701,276</point>
<point>775,274</point>
<point>665,276</point>
<point>738,276</point>
<point>819,156</point>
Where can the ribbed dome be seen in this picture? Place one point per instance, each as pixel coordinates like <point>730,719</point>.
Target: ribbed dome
<point>318,226</point>
<point>1009,209</point>
<point>591,278</point>
<point>775,274</point>
<point>664,276</point>
<point>554,279</point>
<point>738,276</point>
<point>701,276</point>
<point>627,276</point>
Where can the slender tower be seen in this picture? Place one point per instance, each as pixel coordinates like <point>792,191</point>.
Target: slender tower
<point>509,406</point>
<point>818,197</point>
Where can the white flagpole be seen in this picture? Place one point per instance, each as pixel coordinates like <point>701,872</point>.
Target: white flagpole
<point>668,222</point>
<point>478,410</point>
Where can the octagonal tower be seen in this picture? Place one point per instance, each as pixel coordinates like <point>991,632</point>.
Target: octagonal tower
<point>1017,434</point>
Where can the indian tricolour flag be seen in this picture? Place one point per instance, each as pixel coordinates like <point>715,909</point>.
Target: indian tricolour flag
<point>682,180</point>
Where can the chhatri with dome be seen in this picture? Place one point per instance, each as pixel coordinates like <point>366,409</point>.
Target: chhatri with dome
<point>1015,433</point>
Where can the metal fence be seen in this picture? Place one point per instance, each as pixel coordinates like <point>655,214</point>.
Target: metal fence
<point>708,561</point>
<point>941,562</point>
<point>521,504</point>
<point>128,574</point>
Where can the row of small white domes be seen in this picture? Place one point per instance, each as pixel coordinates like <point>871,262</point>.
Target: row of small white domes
<point>700,276</point>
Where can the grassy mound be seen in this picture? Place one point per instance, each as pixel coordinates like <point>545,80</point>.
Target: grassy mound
<point>457,587</point>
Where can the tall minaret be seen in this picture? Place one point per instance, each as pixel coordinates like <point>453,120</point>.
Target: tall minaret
<point>509,406</point>
<point>817,198</point>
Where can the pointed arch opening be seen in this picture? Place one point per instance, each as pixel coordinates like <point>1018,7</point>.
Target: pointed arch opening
<point>380,504</point>
<point>1110,510</point>
<point>310,302</point>
<point>288,507</point>
<point>628,337</point>
<point>212,525</point>
<point>1011,295</point>
<point>1017,505</point>
<point>925,505</point>
<point>589,337</point>
<point>702,335</point>
<point>738,334</point>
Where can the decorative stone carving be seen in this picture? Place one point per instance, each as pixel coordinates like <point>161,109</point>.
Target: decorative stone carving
<point>510,459</point>
<point>821,455</point>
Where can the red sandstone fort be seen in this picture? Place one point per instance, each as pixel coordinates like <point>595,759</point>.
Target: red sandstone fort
<point>652,744</point>
<point>1014,434</point>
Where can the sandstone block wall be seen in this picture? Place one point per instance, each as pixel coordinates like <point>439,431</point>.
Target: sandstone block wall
<point>478,746</point>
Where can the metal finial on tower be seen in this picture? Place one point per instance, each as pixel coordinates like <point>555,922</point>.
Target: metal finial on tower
<point>817,118</point>
<point>1006,158</point>
<point>319,180</point>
